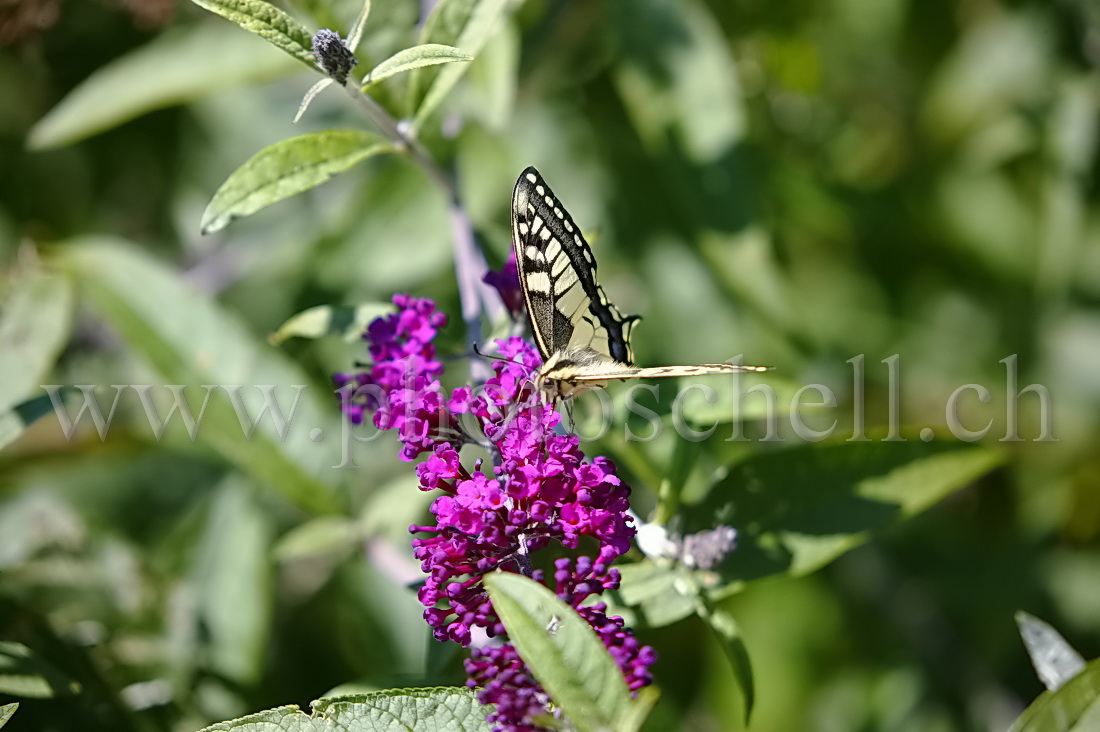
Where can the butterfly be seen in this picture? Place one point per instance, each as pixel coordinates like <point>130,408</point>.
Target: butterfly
<point>584,340</point>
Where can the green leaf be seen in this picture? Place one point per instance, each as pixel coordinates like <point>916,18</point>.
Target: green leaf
<point>480,22</point>
<point>174,68</point>
<point>7,711</point>
<point>322,535</point>
<point>398,710</point>
<point>660,594</point>
<point>233,581</point>
<point>285,169</point>
<point>562,651</point>
<point>269,23</point>
<point>727,631</point>
<point>188,339</point>
<point>314,90</point>
<point>449,708</point>
<point>417,57</point>
<point>1055,660</point>
<point>331,320</point>
<point>16,420</point>
<point>23,673</point>
<point>358,27</point>
<point>671,77</point>
<point>797,510</point>
<point>34,326</point>
<point>1073,708</point>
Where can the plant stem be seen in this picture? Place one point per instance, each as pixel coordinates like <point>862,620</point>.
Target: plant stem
<point>470,264</point>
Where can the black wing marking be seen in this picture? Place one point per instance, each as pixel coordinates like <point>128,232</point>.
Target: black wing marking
<point>557,272</point>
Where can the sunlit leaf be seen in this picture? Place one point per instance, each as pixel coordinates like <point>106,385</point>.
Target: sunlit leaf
<point>343,321</point>
<point>797,510</point>
<point>322,535</point>
<point>188,339</point>
<point>234,583</point>
<point>269,23</point>
<point>174,68</point>
<point>562,651</point>
<point>285,169</point>
<point>1054,659</point>
<point>25,674</point>
<point>673,78</point>
<point>307,99</point>
<point>397,710</point>
<point>6,712</point>
<point>430,54</point>
<point>34,326</point>
<point>483,18</point>
<point>1073,708</point>
<point>357,28</point>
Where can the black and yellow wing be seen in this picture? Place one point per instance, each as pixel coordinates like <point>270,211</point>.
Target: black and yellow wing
<point>557,272</point>
<point>584,340</point>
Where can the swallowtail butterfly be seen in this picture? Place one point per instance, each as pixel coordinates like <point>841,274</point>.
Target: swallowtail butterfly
<point>584,340</point>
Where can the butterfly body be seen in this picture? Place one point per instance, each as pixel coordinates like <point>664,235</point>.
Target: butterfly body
<point>557,377</point>
<point>584,340</point>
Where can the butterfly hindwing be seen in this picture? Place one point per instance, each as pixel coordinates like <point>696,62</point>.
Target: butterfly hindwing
<point>557,272</point>
<point>657,372</point>
<point>584,340</point>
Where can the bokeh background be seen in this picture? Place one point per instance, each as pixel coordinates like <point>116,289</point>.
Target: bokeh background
<point>800,182</point>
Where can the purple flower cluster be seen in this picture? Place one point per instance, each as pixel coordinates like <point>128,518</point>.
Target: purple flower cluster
<point>541,490</point>
<point>402,387</point>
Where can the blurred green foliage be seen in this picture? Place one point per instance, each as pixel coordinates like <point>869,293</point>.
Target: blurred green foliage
<point>799,182</point>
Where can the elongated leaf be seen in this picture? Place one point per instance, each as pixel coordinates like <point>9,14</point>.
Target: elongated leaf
<point>269,23</point>
<point>34,326</point>
<point>796,510</point>
<point>1054,659</point>
<point>314,90</point>
<point>680,84</point>
<point>189,340</point>
<point>1073,708</point>
<point>398,710</point>
<point>23,673</point>
<point>562,651</point>
<point>17,419</point>
<point>343,321</point>
<point>358,27</point>
<point>728,633</point>
<point>417,57</point>
<point>285,169</point>
<point>480,23</point>
<point>446,21</point>
<point>173,68</point>
<point>322,535</point>
<point>233,581</point>
<point>660,594</point>
<point>7,711</point>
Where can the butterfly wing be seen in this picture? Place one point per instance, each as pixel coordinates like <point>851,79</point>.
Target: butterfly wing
<point>557,273</point>
<point>658,372</point>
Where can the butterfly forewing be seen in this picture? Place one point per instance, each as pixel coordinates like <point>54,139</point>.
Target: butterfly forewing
<point>557,272</point>
<point>657,372</point>
<point>584,340</point>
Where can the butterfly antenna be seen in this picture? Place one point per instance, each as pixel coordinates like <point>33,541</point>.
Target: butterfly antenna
<point>492,355</point>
